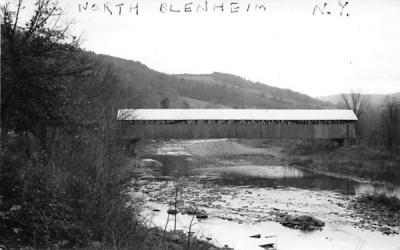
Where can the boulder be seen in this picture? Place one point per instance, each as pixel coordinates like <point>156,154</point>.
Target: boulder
<point>172,211</point>
<point>302,222</point>
<point>201,216</point>
<point>268,246</point>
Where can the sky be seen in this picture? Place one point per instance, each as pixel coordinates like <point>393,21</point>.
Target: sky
<point>284,46</point>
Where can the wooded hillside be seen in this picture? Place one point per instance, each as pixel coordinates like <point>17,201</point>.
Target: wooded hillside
<point>146,88</point>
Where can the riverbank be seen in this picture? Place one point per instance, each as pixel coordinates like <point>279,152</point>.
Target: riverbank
<point>376,208</point>
<point>152,238</point>
<point>360,163</point>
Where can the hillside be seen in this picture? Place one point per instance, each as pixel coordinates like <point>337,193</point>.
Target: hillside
<point>145,88</point>
<point>243,93</point>
<point>375,99</point>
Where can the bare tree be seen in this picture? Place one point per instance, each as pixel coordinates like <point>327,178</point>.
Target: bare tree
<point>165,103</point>
<point>359,104</point>
<point>191,224</point>
<point>37,61</point>
<point>391,123</point>
<point>174,204</point>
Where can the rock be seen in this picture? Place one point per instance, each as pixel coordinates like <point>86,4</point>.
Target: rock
<point>208,238</point>
<point>386,230</point>
<point>172,211</point>
<point>201,216</point>
<point>303,222</point>
<point>256,236</point>
<point>268,246</point>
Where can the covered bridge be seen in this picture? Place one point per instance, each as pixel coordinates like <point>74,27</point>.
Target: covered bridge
<point>335,124</point>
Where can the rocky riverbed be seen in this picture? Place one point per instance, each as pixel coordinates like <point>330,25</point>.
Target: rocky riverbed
<point>247,188</point>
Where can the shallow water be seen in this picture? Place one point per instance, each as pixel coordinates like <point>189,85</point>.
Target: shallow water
<point>268,176</point>
<point>237,236</point>
<point>240,194</point>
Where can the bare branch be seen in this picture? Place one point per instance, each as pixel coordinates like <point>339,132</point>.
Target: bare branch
<point>41,17</point>
<point>356,102</point>
<point>17,16</point>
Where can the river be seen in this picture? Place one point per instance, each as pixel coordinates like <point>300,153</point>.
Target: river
<point>244,189</point>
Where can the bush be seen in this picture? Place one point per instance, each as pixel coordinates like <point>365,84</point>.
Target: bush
<point>67,204</point>
<point>37,213</point>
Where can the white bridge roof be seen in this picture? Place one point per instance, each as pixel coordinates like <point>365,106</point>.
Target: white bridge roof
<point>237,114</point>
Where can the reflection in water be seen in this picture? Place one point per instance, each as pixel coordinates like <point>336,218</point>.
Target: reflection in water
<point>173,165</point>
<point>286,177</point>
<point>267,176</point>
<point>268,172</point>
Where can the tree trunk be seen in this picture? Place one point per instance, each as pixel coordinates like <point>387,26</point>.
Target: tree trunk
<point>40,132</point>
<point>4,141</point>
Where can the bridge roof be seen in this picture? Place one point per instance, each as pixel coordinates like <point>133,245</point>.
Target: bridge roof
<point>238,114</point>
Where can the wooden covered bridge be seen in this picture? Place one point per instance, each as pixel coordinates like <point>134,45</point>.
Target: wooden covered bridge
<point>335,124</point>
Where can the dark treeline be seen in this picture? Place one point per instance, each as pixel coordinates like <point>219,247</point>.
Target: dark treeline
<point>378,125</point>
<point>62,177</point>
<point>64,173</point>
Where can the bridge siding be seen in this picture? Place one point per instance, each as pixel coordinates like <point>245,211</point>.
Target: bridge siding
<point>203,131</point>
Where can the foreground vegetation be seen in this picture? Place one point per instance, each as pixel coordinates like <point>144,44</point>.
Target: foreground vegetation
<point>63,175</point>
<point>63,178</point>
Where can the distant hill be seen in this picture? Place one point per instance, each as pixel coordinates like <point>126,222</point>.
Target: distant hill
<point>243,93</point>
<point>145,88</point>
<point>396,95</point>
<point>375,99</point>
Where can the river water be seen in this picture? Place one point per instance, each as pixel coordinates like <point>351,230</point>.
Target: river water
<point>242,189</point>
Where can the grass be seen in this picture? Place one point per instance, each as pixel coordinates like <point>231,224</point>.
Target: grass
<point>357,161</point>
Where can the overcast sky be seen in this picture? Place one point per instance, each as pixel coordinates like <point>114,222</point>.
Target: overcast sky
<point>285,46</point>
